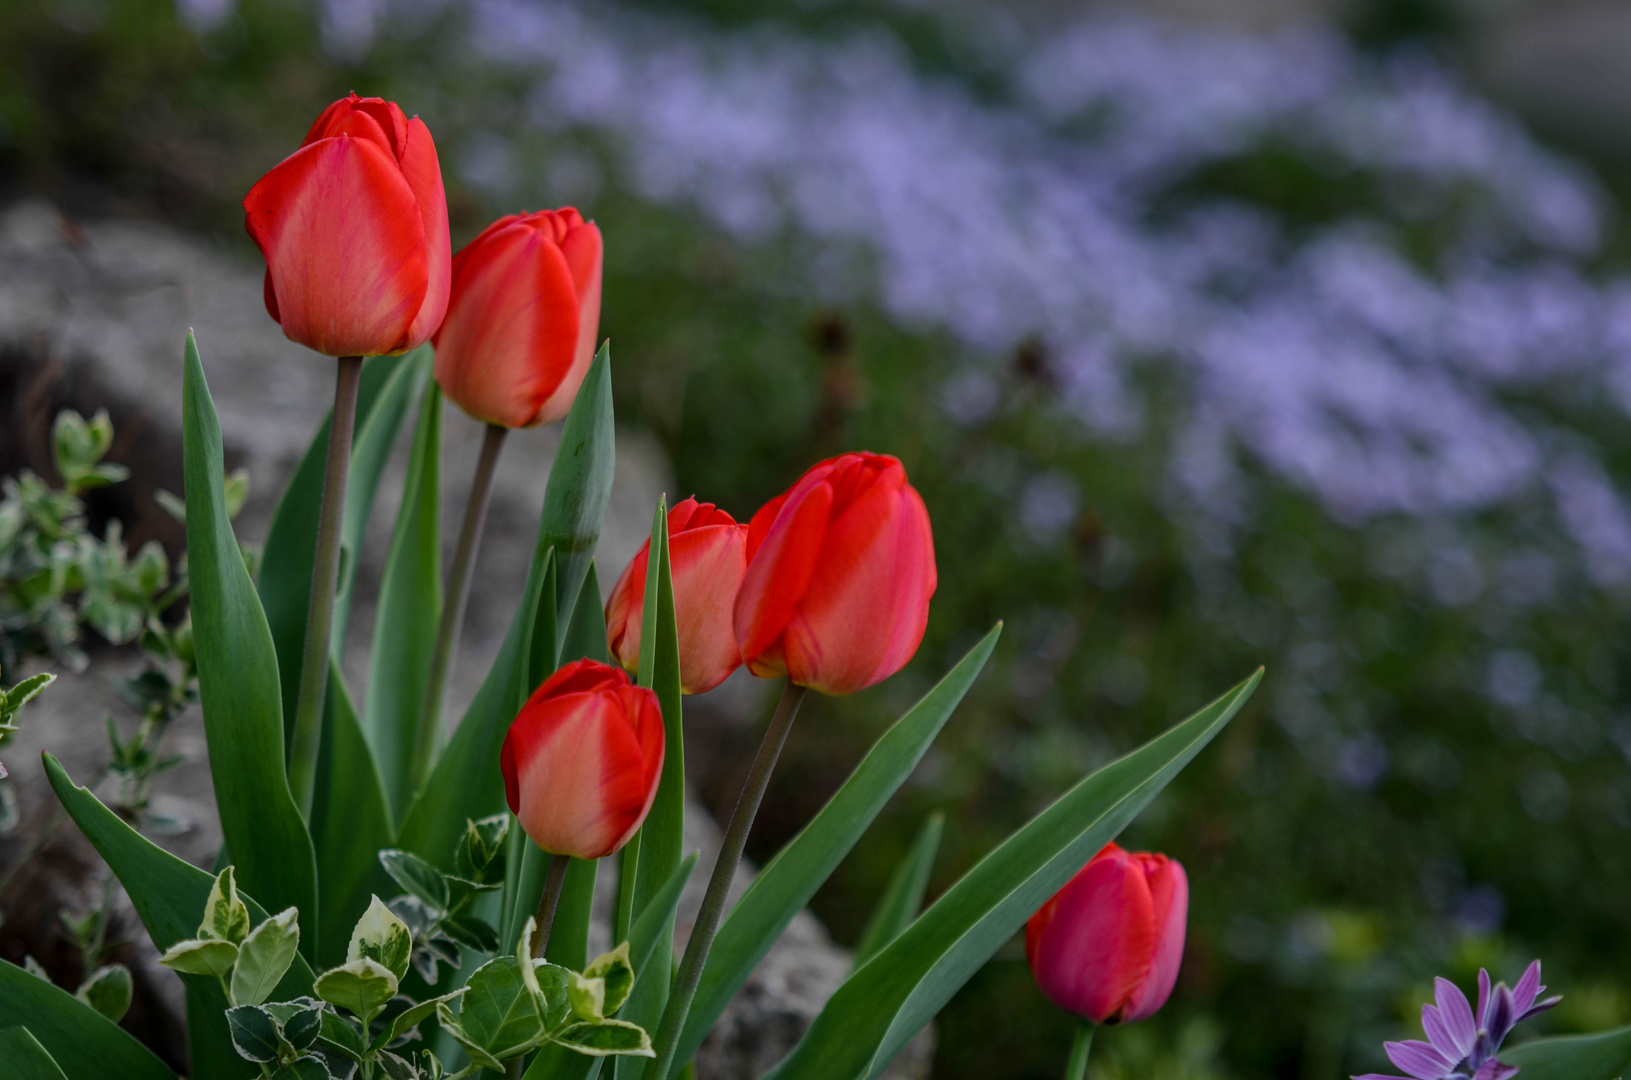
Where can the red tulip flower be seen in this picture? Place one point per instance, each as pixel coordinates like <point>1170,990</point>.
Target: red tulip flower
<point>840,571</point>
<point>1107,946</point>
<point>708,553</point>
<point>353,226</point>
<point>582,760</point>
<point>520,328</point>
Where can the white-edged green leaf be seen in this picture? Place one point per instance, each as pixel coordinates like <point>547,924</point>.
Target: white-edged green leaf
<point>361,987</point>
<point>410,1018</point>
<point>225,916</point>
<point>616,973</point>
<point>264,957</point>
<point>455,1030</point>
<point>383,938</point>
<point>199,957</point>
<point>501,1012</point>
<point>108,990</point>
<point>607,1038</point>
<point>254,1033</point>
<point>341,1036</point>
<point>416,876</point>
<point>588,998</point>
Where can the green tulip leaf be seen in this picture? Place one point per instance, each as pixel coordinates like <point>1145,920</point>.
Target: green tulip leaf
<point>903,897</point>
<point>79,1040</point>
<point>264,958</point>
<point>786,884</point>
<point>887,1001</point>
<point>25,1058</point>
<point>238,681</point>
<point>1604,1055</point>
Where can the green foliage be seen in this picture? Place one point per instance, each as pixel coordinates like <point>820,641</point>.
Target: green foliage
<point>23,1054</point>
<point>81,1040</point>
<point>903,898</point>
<point>1602,1056</point>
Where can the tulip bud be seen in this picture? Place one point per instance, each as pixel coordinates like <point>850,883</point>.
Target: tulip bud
<point>707,552</point>
<point>353,226</point>
<point>521,325</point>
<point>582,760</point>
<point>840,571</point>
<point>1107,946</point>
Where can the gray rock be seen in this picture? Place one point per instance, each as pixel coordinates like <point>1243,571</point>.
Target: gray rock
<point>113,300</point>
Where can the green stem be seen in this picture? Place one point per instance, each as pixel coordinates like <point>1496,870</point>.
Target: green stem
<point>458,594</point>
<point>713,901</point>
<point>548,902</point>
<point>1076,1067</point>
<point>325,576</point>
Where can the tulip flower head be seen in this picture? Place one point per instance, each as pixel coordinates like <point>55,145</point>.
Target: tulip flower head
<point>1462,1044</point>
<point>582,760</point>
<point>1108,945</point>
<point>840,572</point>
<point>707,553</point>
<point>520,329</point>
<point>353,226</point>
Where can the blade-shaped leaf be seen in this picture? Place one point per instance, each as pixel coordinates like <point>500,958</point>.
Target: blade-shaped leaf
<point>662,837</point>
<point>903,897</point>
<point>410,606</point>
<point>169,894</point>
<point>787,882</point>
<point>352,820</point>
<point>879,1008</point>
<point>82,1041</point>
<point>586,629</point>
<point>384,393</point>
<point>25,1058</point>
<point>580,480</point>
<point>1604,1055</point>
<point>238,682</point>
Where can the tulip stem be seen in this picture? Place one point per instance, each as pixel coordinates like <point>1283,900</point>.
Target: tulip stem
<point>325,576</point>
<point>1076,1067</point>
<point>458,594</point>
<point>548,902</point>
<point>713,901</point>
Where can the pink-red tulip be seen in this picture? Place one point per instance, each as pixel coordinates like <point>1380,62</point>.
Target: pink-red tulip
<point>1107,946</point>
<point>708,554</point>
<point>353,226</point>
<point>520,328</point>
<point>840,571</point>
<point>582,760</point>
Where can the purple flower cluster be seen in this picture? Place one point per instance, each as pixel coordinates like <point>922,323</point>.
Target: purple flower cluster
<point>1461,1045</point>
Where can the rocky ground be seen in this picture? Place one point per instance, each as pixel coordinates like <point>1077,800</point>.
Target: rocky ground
<point>93,315</point>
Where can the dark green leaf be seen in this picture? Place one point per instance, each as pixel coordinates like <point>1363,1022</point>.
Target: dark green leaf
<point>25,1058</point>
<point>903,897</point>
<point>83,1042</point>
<point>302,1023</point>
<point>480,857</point>
<point>787,883</point>
<point>238,682</point>
<point>341,1035</point>
<point>1605,1055</point>
<point>586,630</point>
<point>310,1067</point>
<point>410,607</point>
<point>254,1032</point>
<point>883,1004</point>
<point>352,819</point>
<point>416,876</point>
<point>580,480</point>
<point>472,933</point>
<point>498,1013</point>
<point>410,1018</point>
<point>108,991</point>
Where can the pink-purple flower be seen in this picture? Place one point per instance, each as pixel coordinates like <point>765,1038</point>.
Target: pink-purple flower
<point>1461,1045</point>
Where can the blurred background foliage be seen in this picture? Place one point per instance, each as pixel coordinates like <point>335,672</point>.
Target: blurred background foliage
<point>1402,497</point>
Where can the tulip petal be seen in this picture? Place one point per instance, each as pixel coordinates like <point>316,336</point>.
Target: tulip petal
<point>624,608</point>
<point>864,611</point>
<point>1169,895</point>
<point>584,258</point>
<point>508,343</point>
<point>778,575</point>
<point>344,246</point>
<point>423,172</point>
<point>708,565</point>
<point>1091,945</point>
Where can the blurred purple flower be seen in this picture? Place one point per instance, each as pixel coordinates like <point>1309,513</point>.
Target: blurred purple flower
<point>1460,1047</point>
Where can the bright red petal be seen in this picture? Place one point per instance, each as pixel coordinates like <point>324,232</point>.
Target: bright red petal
<point>584,257</point>
<point>778,576</point>
<point>423,172</point>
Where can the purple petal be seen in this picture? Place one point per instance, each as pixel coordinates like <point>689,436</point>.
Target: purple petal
<point>1534,1010</point>
<point>1419,1059</point>
<point>1438,1033</point>
<point>1527,990</point>
<point>1378,1076</point>
<point>1483,998</point>
<point>1494,1070</point>
<point>1501,1017</point>
<point>1457,1016</point>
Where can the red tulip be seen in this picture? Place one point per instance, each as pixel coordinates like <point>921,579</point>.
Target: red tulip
<point>520,329</point>
<point>582,760</point>
<point>1107,946</point>
<point>353,226</point>
<point>707,551</point>
<point>840,571</point>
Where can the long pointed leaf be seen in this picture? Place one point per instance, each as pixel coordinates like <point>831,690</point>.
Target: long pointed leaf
<point>903,897</point>
<point>238,682</point>
<point>887,1001</point>
<point>410,605</point>
<point>789,880</point>
<point>352,822</point>
<point>168,894</point>
<point>81,1042</point>
<point>662,837</point>
<point>466,782</point>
